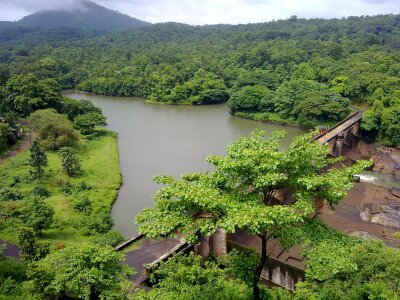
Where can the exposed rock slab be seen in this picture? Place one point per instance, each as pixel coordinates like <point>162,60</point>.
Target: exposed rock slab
<point>387,215</point>
<point>363,235</point>
<point>395,191</point>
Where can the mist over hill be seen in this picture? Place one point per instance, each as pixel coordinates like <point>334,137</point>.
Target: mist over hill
<point>88,16</point>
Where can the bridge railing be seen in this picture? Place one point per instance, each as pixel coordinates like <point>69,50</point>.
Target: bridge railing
<point>336,126</point>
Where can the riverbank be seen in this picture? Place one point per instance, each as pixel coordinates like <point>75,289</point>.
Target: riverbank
<point>99,182</point>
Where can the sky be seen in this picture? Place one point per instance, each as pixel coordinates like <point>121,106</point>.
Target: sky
<point>200,12</point>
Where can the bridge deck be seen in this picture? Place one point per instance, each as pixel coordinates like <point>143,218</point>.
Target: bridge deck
<point>330,134</point>
<point>147,251</point>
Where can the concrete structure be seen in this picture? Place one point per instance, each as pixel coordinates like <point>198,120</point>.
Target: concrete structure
<point>341,134</point>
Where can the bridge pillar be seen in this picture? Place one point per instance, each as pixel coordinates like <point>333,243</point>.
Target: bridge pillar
<point>356,129</point>
<point>203,248</point>
<point>348,141</point>
<point>339,144</point>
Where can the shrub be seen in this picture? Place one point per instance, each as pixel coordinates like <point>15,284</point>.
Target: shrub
<point>111,238</point>
<point>83,204</point>
<point>67,187</point>
<point>97,223</point>
<point>69,161</point>
<point>54,130</point>
<point>83,186</point>
<point>41,192</point>
<point>8,194</point>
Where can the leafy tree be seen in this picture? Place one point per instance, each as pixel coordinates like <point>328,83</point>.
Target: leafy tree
<point>38,215</point>
<point>38,159</point>
<point>73,108</point>
<point>87,122</point>
<point>53,130</point>
<point>319,107</point>
<point>390,126</point>
<point>340,84</point>
<point>87,271</point>
<point>371,120</point>
<point>97,223</point>
<point>31,250</point>
<point>304,71</point>
<point>248,99</point>
<point>186,277</point>
<point>69,161</point>
<point>4,133</point>
<point>28,93</point>
<point>368,270</point>
<point>240,192</point>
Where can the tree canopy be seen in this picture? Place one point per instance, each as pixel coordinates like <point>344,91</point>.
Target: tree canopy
<point>242,192</point>
<point>88,271</point>
<point>53,130</point>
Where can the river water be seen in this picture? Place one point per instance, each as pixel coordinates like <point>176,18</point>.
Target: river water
<point>158,139</point>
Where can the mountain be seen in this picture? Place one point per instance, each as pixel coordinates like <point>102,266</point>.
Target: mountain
<point>4,24</point>
<point>89,16</point>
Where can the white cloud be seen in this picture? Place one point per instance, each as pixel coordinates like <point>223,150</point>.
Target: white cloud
<point>215,11</point>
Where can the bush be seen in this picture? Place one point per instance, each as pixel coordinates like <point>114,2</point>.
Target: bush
<point>83,204</point>
<point>8,194</point>
<point>83,186</point>
<point>54,130</point>
<point>111,238</point>
<point>66,187</point>
<point>97,223</point>
<point>41,192</point>
<point>10,268</point>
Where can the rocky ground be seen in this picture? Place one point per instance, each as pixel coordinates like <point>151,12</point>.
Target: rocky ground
<point>370,211</point>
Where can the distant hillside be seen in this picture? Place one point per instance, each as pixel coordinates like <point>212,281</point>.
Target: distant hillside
<point>4,24</point>
<point>90,16</point>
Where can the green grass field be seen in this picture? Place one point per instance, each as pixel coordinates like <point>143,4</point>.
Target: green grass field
<point>100,165</point>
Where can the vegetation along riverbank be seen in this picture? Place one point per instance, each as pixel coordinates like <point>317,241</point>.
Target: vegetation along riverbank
<point>56,195</point>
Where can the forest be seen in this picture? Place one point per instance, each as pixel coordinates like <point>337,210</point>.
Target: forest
<point>296,71</point>
<point>303,72</point>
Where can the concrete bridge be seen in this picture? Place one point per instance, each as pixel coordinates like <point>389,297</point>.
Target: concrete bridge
<point>341,134</point>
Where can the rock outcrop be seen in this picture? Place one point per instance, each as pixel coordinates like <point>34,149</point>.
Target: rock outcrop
<point>387,215</point>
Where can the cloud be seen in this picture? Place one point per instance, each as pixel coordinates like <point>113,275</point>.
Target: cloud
<point>215,11</point>
<point>247,11</point>
<point>16,9</point>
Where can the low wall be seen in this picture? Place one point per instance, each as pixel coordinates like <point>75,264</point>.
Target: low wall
<point>276,272</point>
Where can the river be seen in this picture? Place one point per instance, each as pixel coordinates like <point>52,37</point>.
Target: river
<point>158,139</point>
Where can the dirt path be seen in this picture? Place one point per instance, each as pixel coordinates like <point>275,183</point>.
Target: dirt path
<point>11,250</point>
<point>21,147</point>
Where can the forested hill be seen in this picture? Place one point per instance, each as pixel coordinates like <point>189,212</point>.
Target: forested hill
<point>88,16</point>
<point>297,71</point>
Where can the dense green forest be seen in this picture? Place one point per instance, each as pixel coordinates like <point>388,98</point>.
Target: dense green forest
<point>296,71</point>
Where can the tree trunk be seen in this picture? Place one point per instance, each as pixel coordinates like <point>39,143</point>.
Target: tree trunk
<point>219,243</point>
<point>263,259</point>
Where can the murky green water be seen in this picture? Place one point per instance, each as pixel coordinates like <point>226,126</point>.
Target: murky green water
<point>164,139</point>
<point>385,180</point>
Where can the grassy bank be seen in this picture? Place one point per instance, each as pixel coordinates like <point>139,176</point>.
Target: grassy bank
<point>99,182</point>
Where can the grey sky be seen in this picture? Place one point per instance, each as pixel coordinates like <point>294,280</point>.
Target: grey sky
<point>213,11</point>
